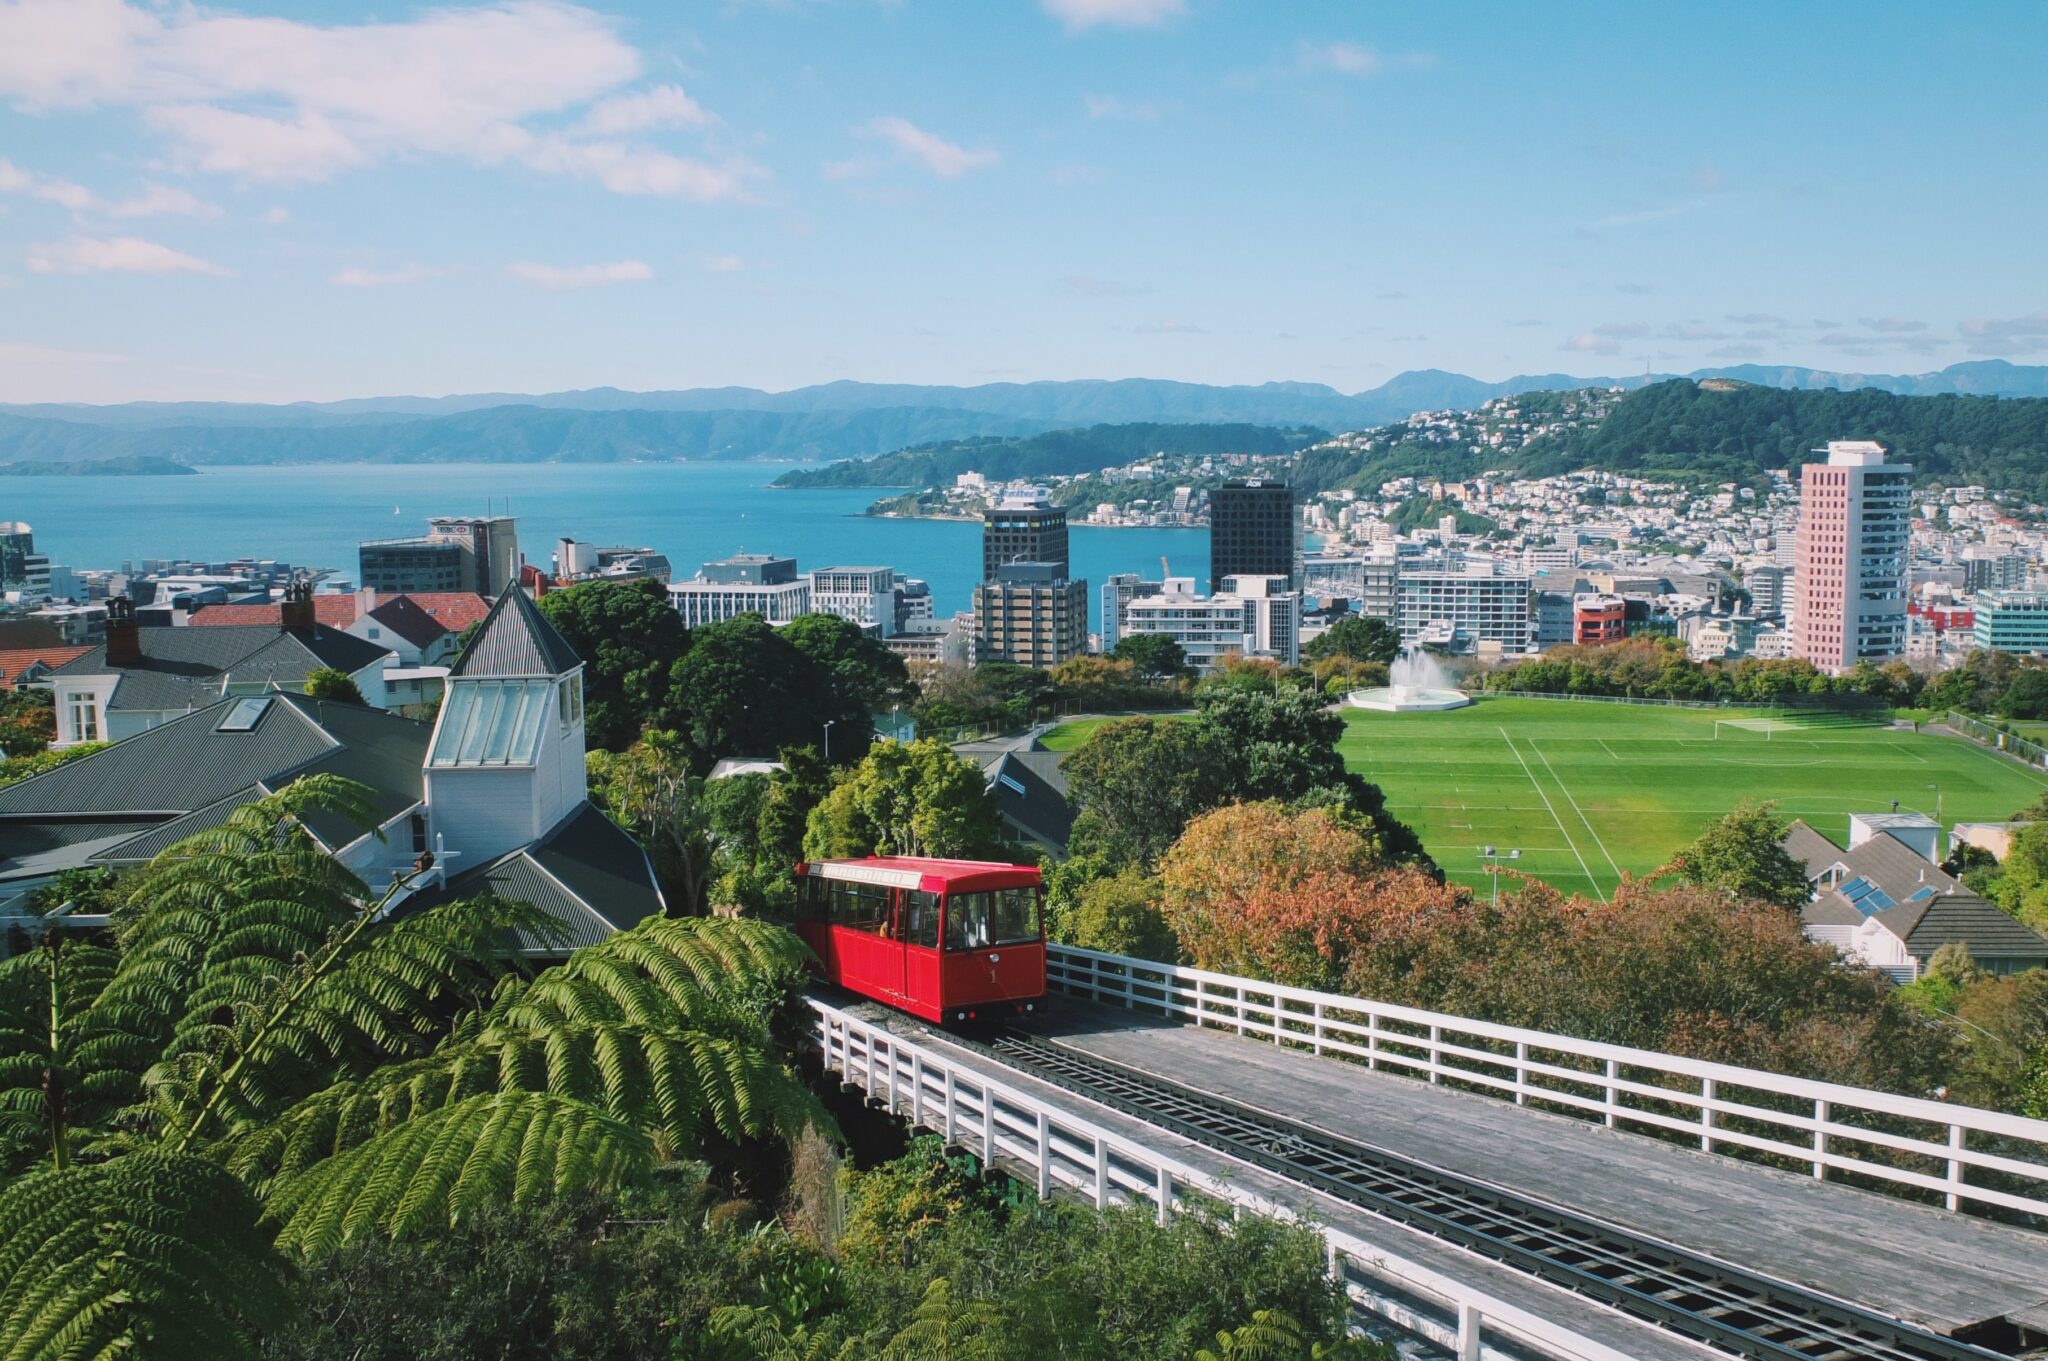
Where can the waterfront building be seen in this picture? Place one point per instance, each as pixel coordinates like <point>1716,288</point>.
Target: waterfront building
<point>1117,594</point>
<point>1855,515</point>
<point>576,561</point>
<point>2012,621</point>
<point>1024,526</point>
<point>746,583</point>
<point>474,553</point>
<point>1437,604</point>
<point>861,595</point>
<point>1254,530</point>
<point>1031,614</point>
<point>1258,616</point>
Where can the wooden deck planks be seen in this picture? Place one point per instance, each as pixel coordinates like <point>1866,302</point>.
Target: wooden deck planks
<point>1940,1270</point>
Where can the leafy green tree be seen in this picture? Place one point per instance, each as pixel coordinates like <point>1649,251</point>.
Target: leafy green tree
<point>630,639</point>
<point>28,721</point>
<point>1120,915</point>
<point>865,676</point>
<point>2027,696</point>
<point>1135,783</point>
<point>747,692</point>
<point>1273,1336</point>
<point>1156,656</point>
<point>648,789</point>
<point>1356,639</point>
<point>1744,855</point>
<point>18,768</point>
<point>262,1041</point>
<point>914,798</point>
<point>327,683</point>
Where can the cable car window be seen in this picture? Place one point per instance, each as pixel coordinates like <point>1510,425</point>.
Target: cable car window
<point>860,907</point>
<point>813,898</point>
<point>982,921</point>
<point>921,919</point>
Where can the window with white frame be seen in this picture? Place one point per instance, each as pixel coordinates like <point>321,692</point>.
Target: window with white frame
<point>85,717</point>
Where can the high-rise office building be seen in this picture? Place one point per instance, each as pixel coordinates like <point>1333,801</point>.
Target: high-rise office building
<point>17,546</point>
<point>1023,527</point>
<point>746,583</point>
<point>1254,530</point>
<point>492,540</point>
<point>1031,615</point>
<point>1855,515</point>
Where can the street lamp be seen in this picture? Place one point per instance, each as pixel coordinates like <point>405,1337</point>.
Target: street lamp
<point>1493,857</point>
<point>828,739</point>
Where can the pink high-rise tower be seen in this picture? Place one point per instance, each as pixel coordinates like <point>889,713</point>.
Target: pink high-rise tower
<point>1855,517</point>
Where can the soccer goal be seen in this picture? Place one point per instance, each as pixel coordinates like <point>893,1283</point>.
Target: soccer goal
<point>1766,726</point>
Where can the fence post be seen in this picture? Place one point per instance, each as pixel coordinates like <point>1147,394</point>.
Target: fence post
<point>1521,1072</point>
<point>867,1067</point>
<point>988,1128</point>
<point>1372,1040</point>
<point>1319,1029</point>
<point>1468,1331</point>
<point>1706,1115</point>
<point>1613,1093</point>
<point>952,1121</point>
<point>1101,1174</point>
<point>1822,1111</point>
<point>1954,1198</point>
<point>1238,1005</point>
<point>1164,1191</point>
<point>1044,1154</point>
<point>1436,1065</point>
<point>916,1089</point>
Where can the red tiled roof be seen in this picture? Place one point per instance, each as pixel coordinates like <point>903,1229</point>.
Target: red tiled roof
<point>14,661</point>
<point>452,610</point>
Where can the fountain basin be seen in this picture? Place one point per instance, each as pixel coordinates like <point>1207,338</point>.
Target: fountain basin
<point>1407,699</point>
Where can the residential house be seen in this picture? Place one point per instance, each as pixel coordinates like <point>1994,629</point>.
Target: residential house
<point>493,791</point>
<point>1885,903</point>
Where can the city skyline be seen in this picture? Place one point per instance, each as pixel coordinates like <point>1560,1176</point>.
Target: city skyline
<point>261,202</point>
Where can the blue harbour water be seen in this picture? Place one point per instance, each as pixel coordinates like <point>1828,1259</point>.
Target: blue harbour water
<point>314,515</point>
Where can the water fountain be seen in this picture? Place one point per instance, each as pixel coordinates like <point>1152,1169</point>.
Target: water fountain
<point>1417,684</point>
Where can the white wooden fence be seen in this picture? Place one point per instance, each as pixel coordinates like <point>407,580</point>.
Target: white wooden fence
<point>1004,1124</point>
<point>1897,1143</point>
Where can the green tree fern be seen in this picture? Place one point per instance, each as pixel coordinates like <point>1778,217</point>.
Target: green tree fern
<point>270,1060</point>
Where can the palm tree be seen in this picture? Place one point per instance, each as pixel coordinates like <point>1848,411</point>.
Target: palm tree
<point>265,1063</point>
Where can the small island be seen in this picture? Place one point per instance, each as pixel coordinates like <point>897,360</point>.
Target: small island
<point>128,465</point>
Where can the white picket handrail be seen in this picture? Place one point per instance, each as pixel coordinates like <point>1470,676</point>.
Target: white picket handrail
<point>1060,1150</point>
<point>1595,1080</point>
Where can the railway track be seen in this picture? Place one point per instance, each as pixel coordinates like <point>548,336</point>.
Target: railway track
<point>1708,1301</point>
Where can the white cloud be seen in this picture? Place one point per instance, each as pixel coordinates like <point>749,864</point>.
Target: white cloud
<point>116,255</point>
<point>280,101</point>
<point>1590,342</point>
<point>581,276</point>
<point>626,169</point>
<point>159,200</point>
<point>725,264</point>
<point>63,193</point>
<point>21,352</point>
<point>947,160</point>
<point>2006,335</point>
<point>375,278</point>
<point>664,106</point>
<point>1345,58</point>
<point>1080,14</point>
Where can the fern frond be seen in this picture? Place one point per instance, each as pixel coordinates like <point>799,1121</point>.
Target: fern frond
<point>153,1254</point>
<point>521,1148</point>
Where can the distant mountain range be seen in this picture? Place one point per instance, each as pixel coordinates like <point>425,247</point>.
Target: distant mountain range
<point>827,421</point>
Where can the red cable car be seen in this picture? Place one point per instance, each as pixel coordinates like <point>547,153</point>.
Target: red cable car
<point>945,940</point>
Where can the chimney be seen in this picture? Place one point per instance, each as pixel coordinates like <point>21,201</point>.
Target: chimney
<point>297,610</point>
<point>124,642</point>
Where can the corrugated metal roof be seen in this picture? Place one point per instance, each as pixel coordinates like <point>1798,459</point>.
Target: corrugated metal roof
<point>1810,848</point>
<point>1986,928</point>
<point>587,872</point>
<point>146,846</point>
<point>516,640</point>
<point>184,668</point>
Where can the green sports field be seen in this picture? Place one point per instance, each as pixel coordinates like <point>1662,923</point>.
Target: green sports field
<point>1587,791</point>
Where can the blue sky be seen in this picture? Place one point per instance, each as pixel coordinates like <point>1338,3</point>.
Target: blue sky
<point>287,201</point>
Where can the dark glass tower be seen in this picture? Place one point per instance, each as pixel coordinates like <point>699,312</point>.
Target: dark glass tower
<point>1023,529</point>
<point>1253,529</point>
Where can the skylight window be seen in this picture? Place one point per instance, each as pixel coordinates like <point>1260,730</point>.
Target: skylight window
<point>492,723</point>
<point>244,715</point>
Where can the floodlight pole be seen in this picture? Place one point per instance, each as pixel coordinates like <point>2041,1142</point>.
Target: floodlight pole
<point>1493,858</point>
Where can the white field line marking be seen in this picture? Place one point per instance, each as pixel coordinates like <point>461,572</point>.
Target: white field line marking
<point>1604,747</point>
<point>2003,763</point>
<point>1566,790</point>
<point>1903,749</point>
<point>1553,813</point>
